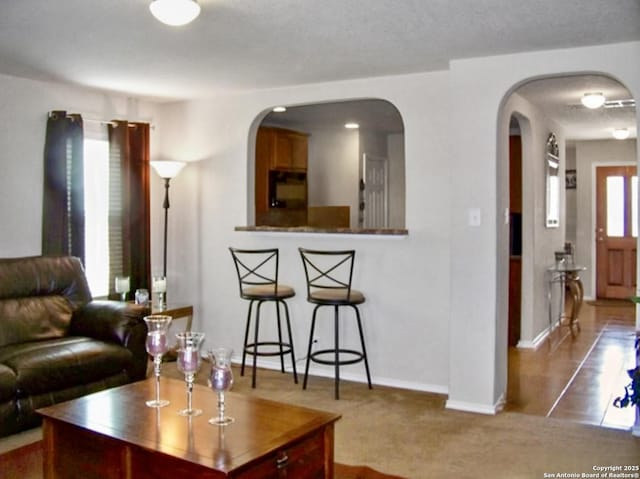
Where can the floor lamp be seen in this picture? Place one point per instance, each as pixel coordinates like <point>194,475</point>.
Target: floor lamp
<point>166,170</point>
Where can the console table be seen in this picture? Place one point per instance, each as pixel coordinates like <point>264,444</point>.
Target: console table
<point>566,276</point>
<point>112,434</point>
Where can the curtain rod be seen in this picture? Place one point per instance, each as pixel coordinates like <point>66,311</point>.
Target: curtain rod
<point>106,122</point>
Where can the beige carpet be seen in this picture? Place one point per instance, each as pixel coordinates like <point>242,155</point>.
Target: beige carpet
<point>411,434</point>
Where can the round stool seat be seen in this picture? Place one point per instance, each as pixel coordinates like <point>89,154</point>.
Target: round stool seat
<point>268,291</point>
<point>337,296</point>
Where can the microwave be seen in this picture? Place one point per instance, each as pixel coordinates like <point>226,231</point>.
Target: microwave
<point>288,189</point>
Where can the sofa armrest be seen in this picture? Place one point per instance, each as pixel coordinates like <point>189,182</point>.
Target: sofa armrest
<point>116,322</point>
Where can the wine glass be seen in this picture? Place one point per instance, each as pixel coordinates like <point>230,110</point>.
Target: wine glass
<point>189,363</point>
<point>221,380</point>
<point>123,285</point>
<point>157,345</point>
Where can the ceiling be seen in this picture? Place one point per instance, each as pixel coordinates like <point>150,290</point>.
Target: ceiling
<point>237,45</point>
<point>559,99</point>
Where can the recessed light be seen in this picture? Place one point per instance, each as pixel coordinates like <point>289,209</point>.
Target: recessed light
<point>351,126</point>
<point>279,109</point>
<point>621,133</point>
<point>593,100</point>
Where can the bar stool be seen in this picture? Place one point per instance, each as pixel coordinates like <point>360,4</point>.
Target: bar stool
<point>258,281</point>
<point>329,275</point>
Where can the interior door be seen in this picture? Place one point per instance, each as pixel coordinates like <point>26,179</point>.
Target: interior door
<point>616,231</point>
<point>376,207</point>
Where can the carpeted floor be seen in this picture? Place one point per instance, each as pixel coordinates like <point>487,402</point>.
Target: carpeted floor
<point>410,434</point>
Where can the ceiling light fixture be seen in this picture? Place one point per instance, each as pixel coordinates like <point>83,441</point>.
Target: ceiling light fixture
<point>175,12</point>
<point>621,133</point>
<point>593,100</point>
<point>351,126</point>
<point>279,109</point>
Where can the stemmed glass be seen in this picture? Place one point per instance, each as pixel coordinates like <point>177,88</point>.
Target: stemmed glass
<point>221,380</point>
<point>189,363</point>
<point>157,345</point>
<point>123,286</point>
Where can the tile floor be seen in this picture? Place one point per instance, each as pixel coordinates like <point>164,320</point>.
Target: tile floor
<point>577,378</point>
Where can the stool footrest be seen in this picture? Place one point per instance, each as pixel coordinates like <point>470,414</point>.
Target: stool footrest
<point>252,348</point>
<point>359,356</point>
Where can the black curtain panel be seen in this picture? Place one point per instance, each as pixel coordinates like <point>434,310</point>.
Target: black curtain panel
<point>129,214</point>
<point>63,200</point>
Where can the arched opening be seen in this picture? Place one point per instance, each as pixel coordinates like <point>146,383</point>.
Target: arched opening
<point>330,165</point>
<point>585,137</point>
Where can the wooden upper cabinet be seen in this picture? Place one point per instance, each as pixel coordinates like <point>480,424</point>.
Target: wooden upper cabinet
<point>287,149</point>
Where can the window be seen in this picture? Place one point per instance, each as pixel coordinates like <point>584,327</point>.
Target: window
<point>96,204</point>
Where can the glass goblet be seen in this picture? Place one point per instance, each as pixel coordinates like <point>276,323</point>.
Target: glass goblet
<point>189,363</point>
<point>221,380</point>
<point>157,344</point>
<point>123,286</point>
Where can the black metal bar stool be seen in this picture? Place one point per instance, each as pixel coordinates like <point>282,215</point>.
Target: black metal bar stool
<point>258,281</point>
<point>329,275</point>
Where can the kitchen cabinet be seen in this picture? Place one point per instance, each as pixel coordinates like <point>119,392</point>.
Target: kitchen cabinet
<point>283,149</point>
<point>277,149</point>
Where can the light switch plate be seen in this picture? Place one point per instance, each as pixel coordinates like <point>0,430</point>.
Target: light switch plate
<point>474,217</point>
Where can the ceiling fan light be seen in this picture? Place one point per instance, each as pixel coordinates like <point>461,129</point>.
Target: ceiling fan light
<point>621,133</point>
<point>175,12</point>
<point>593,100</point>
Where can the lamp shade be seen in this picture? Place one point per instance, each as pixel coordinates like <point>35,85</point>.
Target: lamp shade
<point>168,169</point>
<point>175,12</point>
<point>593,100</point>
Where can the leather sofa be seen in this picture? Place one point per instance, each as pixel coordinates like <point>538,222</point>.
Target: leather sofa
<point>56,343</point>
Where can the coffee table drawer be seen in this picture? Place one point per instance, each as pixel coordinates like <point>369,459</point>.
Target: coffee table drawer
<point>301,460</point>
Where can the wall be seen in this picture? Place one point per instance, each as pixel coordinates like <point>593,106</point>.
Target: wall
<point>590,154</point>
<point>25,105</point>
<point>405,279</point>
<point>333,169</point>
<point>538,241</point>
<point>396,180</point>
<point>479,269</point>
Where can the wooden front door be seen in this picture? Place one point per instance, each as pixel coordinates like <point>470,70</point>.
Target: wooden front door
<point>616,231</point>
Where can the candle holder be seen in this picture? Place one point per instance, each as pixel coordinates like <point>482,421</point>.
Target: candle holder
<point>159,290</point>
<point>123,286</point>
<point>221,380</point>
<point>189,363</point>
<point>157,345</point>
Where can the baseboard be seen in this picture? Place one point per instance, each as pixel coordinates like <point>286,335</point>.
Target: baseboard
<point>479,408</point>
<point>350,376</point>
<point>536,342</point>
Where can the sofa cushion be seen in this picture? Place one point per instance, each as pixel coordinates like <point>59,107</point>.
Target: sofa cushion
<point>7,383</point>
<point>38,296</point>
<point>54,364</point>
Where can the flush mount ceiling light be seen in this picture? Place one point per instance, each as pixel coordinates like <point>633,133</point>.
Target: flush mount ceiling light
<point>351,126</point>
<point>621,133</point>
<point>279,109</point>
<point>175,12</point>
<point>593,100</point>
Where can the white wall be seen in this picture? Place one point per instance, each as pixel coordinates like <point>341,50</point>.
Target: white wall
<point>479,270</point>
<point>333,169</point>
<point>25,105</point>
<point>590,154</point>
<point>538,241</point>
<point>405,279</point>
<point>396,180</point>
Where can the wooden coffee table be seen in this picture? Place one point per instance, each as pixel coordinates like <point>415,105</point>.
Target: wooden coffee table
<point>113,434</point>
